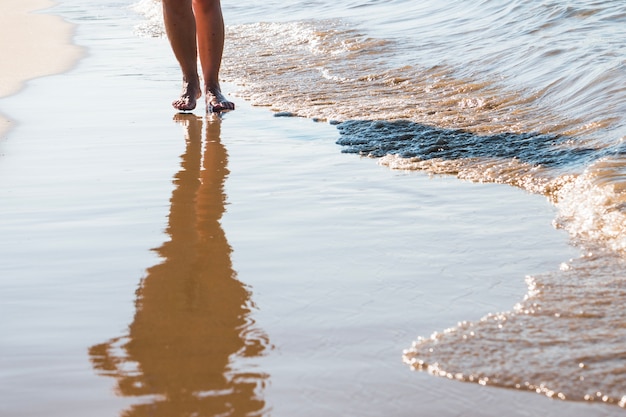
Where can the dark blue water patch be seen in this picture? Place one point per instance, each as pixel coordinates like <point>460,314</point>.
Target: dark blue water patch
<point>409,139</point>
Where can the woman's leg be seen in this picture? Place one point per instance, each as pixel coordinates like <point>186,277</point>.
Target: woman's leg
<point>210,38</point>
<point>180,26</point>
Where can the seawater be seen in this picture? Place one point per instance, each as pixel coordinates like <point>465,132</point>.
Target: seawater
<point>529,93</point>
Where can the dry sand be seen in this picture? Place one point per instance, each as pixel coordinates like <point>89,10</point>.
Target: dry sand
<point>32,45</point>
<point>327,265</point>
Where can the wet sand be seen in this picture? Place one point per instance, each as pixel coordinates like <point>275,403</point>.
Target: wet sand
<point>163,264</point>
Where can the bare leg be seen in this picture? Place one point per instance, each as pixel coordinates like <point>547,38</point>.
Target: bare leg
<point>180,26</point>
<point>210,35</point>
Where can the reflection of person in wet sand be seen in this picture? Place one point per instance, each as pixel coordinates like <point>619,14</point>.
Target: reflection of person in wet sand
<point>192,330</point>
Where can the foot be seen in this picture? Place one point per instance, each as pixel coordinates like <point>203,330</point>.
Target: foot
<point>216,102</point>
<point>188,98</point>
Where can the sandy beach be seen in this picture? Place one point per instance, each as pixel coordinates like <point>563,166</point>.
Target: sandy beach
<point>163,264</point>
<point>33,45</point>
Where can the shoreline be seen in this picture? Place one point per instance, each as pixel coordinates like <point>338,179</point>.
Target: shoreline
<point>40,43</point>
<point>343,262</point>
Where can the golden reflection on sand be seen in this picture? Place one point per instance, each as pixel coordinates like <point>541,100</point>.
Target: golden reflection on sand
<point>188,348</point>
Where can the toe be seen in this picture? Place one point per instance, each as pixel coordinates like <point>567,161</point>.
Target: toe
<point>184,104</point>
<point>221,106</point>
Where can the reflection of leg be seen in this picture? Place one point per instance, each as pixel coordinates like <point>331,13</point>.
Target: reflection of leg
<point>191,336</point>
<point>181,31</point>
<point>210,28</point>
<point>187,119</point>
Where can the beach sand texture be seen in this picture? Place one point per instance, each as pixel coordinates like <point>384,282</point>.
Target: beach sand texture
<point>32,45</point>
<point>162,264</point>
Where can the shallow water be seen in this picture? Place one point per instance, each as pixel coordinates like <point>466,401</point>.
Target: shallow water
<point>479,91</point>
<point>526,93</point>
<point>545,80</point>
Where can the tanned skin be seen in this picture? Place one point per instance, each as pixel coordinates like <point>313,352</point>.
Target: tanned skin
<point>195,28</point>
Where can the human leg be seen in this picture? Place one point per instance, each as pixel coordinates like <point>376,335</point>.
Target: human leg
<point>180,26</point>
<point>210,38</point>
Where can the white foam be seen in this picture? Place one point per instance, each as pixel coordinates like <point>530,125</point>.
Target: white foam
<point>152,25</point>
